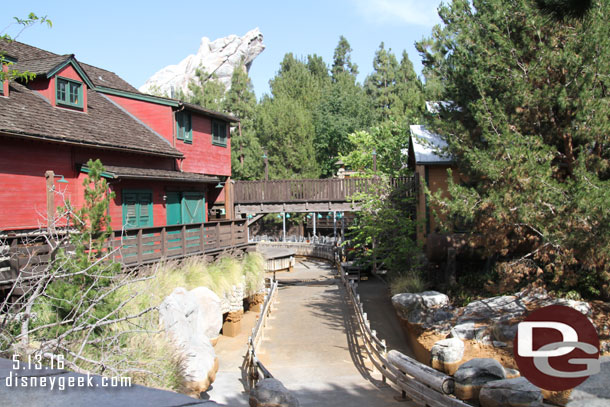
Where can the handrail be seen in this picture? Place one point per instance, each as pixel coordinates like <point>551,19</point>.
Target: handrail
<point>417,382</point>
<point>310,190</point>
<point>253,364</point>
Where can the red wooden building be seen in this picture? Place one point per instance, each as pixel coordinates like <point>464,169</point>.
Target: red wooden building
<point>166,160</point>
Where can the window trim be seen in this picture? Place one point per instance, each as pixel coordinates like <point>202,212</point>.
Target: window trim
<point>67,102</point>
<point>223,142</point>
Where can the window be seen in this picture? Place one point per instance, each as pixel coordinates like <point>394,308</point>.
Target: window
<point>184,129</point>
<point>69,92</point>
<point>219,133</point>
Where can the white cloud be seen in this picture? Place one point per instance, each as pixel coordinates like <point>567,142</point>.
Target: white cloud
<point>420,12</point>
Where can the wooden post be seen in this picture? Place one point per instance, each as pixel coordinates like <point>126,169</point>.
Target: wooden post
<point>229,199</point>
<point>139,244</point>
<point>163,242</point>
<point>232,233</point>
<point>183,236</point>
<point>218,235</point>
<point>50,177</point>
<point>202,238</point>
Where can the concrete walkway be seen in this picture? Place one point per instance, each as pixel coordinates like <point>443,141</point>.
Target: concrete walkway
<point>312,343</point>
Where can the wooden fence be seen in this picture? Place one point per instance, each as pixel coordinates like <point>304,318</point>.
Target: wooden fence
<point>415,380</point>
<point>309,190</point>
<point>133,247</point>
<point>255,370</point>
<point>150,244</point>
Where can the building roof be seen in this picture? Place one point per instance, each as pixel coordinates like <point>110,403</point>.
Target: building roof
<point>104,124</point>
<point>208,112</point>
<point>428,147</point>
<point>99,77</point>
<point>112,171</point>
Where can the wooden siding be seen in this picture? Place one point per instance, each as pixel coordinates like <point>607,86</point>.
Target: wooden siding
<point>160,118</point>
<point>202,156</point>
<point>23,195</point>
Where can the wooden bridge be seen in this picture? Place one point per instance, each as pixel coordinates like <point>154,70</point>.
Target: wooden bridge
<point>308,195</point>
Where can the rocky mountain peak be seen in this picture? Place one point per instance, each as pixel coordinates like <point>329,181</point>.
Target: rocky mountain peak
<point>220,57</point>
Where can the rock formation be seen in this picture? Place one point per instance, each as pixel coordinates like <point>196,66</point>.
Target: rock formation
<point>219,57</point>
<point>183,318</point>
<point>272,393</point>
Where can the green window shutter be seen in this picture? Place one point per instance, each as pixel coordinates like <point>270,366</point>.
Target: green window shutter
<point>130,210</point>
<point>179,126</point>
<point>188,130</point>
<point>145,207</point>
<point>137,209</point>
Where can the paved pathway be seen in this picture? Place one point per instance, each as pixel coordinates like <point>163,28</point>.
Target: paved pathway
<point>312,345</point>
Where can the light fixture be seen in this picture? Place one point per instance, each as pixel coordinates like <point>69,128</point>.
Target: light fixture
<point>62,180</point>
<point>219,185</point>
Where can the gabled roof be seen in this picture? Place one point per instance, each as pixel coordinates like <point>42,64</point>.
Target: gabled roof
<point>51,65</point>
<point>28,114</point>
<point>208,112</point>
<point>99,77</point>
<point>428,147</point>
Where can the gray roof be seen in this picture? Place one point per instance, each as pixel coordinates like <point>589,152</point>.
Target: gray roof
<point>429,148</point>
<point>154,174</point>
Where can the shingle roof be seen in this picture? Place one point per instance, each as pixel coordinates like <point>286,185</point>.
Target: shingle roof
<point>99,77</point>
<point>104,124</point>
<point>154,174</point>
<point>40,66</point>
<point>208,112</point>
<point>429,148</point>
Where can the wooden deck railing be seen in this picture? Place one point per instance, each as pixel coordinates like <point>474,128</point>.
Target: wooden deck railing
<point>308,190</point>
<point>150,244</point>
<point>134,247</point>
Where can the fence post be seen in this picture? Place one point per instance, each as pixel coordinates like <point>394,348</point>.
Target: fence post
<point>139,244</point>
<point>218,235</point>
<point>183,235</point>
<point>163,242</point>
<point>232,233</point>
<point>202,237</point>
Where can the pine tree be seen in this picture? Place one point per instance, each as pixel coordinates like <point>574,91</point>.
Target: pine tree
<point>205,90</point>
<point>246,151</point>
<point>342,60</point>
<point>529,125</point>
<point>380,85</point>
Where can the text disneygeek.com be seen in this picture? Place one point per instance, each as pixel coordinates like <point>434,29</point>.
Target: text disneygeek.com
<point>21,376</point>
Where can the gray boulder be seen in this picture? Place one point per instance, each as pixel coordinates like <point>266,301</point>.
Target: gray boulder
<point>429,308</point>
<point>445,354</point>
<point>209,307</point>
<point>181,317</point>
<point>472,375</point>
<point>517,392</point>
<point>272,393</point>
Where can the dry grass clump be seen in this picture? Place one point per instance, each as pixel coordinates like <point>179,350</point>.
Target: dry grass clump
<point>148,355</point>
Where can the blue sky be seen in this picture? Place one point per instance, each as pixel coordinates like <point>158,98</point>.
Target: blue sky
<point>137,38</point>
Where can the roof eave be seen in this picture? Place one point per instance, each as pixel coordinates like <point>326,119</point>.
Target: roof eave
<point>86,144</point>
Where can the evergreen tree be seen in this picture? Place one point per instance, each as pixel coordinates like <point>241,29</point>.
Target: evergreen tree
<point>246,151</point>
<point>205,90</point>
<point>342,60</point>
<point>380,85</point>
<point>411,103</point>
<point>529,125</point>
